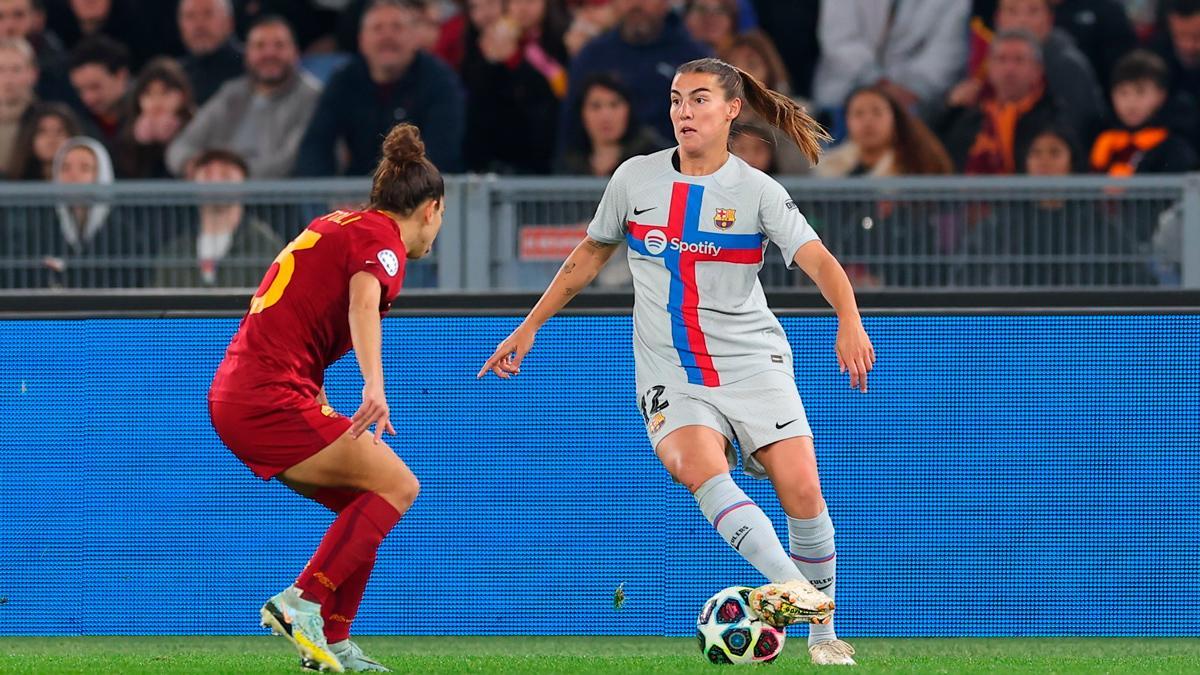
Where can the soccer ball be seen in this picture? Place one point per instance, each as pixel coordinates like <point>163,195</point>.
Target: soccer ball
<point>729,633</point>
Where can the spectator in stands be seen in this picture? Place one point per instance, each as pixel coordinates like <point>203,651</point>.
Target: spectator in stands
<point>27,19</point>
<point>1101,30</point>
<point>213,56</point>
<point>89,233</point>
<point>792,27</point>
<point>755,144</point>
<point>161,105</point>
<point>45,129</point>
<point>18,76</point>
<point>644,49</point>
<point>884,139</point>
<point>612,132</point>
<point>425,30</point>
<point>1147,138</point>
<point>390,82</point>
<point>99,70</point>
<point>229,247</point>
<point>754,53</point>
<point>515,80</point>
<point>120,20</point>
<point>261,115</point>
<point>713,23</point>
<point>916,50</point>
<point>1055,242</point>
<point>591,19</point>
<point>313,22</point>
<point>982,138</point>
<point>1179,45</point>
<point>1068,74</point>
<point>451,45</point>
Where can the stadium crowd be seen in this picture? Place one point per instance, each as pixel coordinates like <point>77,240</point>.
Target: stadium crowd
<point>307,87</point>
<point>100,90</point>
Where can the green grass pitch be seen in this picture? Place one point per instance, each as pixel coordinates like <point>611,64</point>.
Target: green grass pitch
<point>609,655</point>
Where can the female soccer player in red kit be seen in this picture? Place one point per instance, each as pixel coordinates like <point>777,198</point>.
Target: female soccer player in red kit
<point>325,292</point>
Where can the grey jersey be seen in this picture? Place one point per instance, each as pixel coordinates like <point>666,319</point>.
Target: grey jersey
<point>696,244</point>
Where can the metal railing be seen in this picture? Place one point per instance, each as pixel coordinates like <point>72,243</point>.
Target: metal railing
<point>512,233</point>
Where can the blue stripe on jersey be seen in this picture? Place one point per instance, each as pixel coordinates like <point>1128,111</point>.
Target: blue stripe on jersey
<point>637,245</point>
<point>679,336</point>
<point>733,241</point>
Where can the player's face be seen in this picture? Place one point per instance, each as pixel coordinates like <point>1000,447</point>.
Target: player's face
<point>1136,102</point>
<point>869,121</point>
<point>700,112</point>
<point>79,166</point>
<point>1034,16</point>
<point>17,18</point>
<point>1049,155</point>
<point>50,135</point>
<point>432,214</point>
<point>271,55</point>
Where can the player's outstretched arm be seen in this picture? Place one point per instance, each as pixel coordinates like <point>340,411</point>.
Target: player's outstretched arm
<point>854,350</point>
<point>366,334</point>
<point>580,268</point>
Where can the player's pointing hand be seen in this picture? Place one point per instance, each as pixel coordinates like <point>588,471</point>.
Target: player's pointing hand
<point>506,360</point>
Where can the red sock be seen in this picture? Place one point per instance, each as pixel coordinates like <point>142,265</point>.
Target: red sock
<point>350,543</point>
<point>342,607</point>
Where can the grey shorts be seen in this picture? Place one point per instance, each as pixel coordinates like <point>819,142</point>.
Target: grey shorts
<point>756,412</point>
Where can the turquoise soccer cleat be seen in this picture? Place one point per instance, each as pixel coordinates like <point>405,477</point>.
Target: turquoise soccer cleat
<point>300,622</point>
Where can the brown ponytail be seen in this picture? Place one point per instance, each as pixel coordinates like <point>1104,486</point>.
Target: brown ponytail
<point>777,109</point>
<point>405,178</point>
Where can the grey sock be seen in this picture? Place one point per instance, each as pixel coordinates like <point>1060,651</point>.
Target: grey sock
<point>810,542</point>
<point>745,527</point>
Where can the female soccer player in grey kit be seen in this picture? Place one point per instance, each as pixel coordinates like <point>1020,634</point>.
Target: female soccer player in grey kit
<point>713,362</point>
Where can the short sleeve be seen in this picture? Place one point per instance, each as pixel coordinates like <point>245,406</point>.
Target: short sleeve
<point>783,223</point>
<point>370,252</point>
<point>609,223</point>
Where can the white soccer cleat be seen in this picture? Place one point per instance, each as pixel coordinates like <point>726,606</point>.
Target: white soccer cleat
<point>352,657</point>
<point>286,616</point>
<point>790,602</point>
<point>832,653</point>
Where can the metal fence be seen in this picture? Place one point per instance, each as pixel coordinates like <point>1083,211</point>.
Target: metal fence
<point>512,233</point>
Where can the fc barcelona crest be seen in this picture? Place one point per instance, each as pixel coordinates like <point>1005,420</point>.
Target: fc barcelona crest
<point>724,218</point>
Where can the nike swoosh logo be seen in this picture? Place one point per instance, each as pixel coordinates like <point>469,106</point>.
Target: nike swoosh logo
<point>780,426</point>
<point>636,212</point>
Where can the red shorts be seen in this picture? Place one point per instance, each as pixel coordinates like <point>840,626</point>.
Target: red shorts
<point>273,438</point>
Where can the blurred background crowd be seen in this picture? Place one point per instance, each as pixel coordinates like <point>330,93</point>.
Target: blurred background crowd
<point>93,91</point>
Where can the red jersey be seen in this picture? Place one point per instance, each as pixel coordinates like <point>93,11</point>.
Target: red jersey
<point>298,322</point>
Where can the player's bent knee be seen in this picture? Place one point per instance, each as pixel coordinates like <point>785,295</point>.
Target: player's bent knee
<point>400,488</point>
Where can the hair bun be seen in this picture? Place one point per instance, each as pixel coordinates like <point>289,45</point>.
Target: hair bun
<point>403,145</point>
